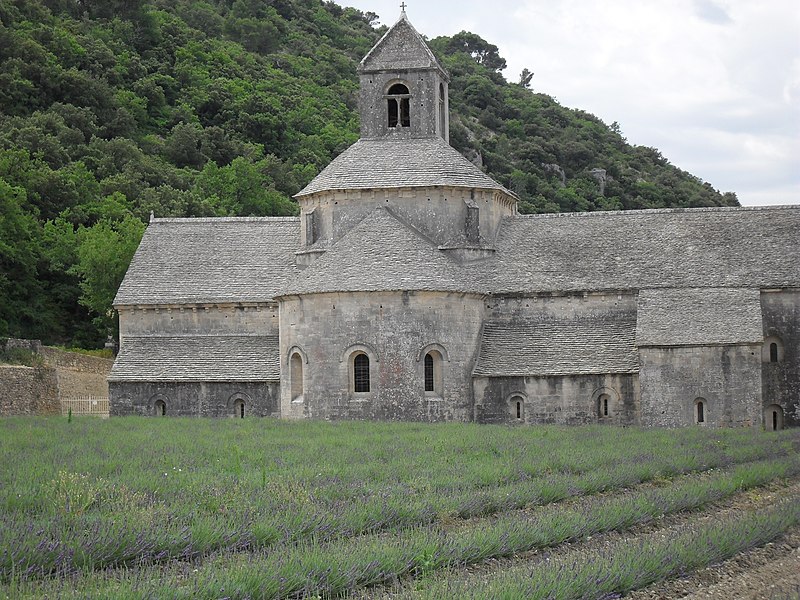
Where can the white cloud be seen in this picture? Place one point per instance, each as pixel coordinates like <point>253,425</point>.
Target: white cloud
<point>713,84</point>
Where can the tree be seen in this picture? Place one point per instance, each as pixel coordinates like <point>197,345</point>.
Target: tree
<point>19,246</point>
<point>483,52</point>
<point>104,252</point>
<point>525,78</point>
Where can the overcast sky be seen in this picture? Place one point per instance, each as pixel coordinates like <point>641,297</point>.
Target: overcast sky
<point>713,84</point>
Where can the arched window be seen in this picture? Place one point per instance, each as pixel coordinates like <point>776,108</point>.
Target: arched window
<point>361,373</point>
<point>773,417</point>
<point>398,100</point>
<point>772,350</point>
<point>429,380</point>
<point>296,375</point>
<point>517,407</point>
<point>159,408</point>
<point>602,406</point>
<point>700,411</point>
<point>238,409</point>
<point>433,373</point>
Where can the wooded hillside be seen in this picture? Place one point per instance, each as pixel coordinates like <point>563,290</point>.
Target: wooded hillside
<point>113,109</point>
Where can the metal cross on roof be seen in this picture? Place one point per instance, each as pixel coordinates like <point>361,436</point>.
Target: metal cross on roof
<point>403,6</point>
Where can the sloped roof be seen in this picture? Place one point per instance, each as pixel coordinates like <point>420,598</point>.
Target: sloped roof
<point>197,358</point>
<point>211,260</point>
<point>401,47</point>
<point>704,316</point>
<point>397,163</point>
<point>381,254</point>
<point>677,248</point>
<point>558,347</point>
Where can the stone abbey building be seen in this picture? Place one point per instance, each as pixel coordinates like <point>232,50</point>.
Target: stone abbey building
<point>410,288</point>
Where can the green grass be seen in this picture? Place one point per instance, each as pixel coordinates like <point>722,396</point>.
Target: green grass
<point>274,507</point>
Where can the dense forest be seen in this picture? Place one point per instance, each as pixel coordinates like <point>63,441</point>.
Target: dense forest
<point>113,109</point>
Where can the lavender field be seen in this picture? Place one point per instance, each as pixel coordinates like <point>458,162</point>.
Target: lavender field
<point>188,508</point>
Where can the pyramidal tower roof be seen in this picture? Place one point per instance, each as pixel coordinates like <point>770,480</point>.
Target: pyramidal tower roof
<point>401,47</point>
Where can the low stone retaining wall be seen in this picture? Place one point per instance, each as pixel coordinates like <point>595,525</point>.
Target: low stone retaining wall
<point>62,375</point>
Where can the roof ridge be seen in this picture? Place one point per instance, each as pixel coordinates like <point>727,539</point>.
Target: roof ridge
<point>656,211</point>
<point>224,219</point>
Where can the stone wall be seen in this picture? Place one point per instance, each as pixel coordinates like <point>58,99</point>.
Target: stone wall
<point>781,379</point>
<point>261,319</point>
<point>38,390</point>
<point>727,379</point>
<point>195,399</point>
<point>28,391</point>
<point>563,400</point>
<point>78,374</point>
<point>440,213</point>
<point>395,330</point>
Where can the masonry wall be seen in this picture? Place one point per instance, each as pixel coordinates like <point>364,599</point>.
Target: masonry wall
<point>563,400</point>
<point>781,380</point>
<point>727,378</point>
<point>28,391</point>
<point>440,213</point>
<point>195,399</point>
<point>261,319</point>
<point>595,305</point>
<point>38,390</point>
<point>393,329</point>
<point>78,374</point>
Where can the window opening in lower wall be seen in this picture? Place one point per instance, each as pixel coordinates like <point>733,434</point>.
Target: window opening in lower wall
<point>160,408</point>
<point>361,373</point>
<point>602,405</point>
<point>238,409</point>
<point>296,374</point>
<point>429,381</point>
<point>699,411</point>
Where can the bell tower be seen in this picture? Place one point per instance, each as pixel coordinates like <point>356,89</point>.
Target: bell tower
<point>403,91</point>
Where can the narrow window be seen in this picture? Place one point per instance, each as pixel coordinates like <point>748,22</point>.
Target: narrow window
<point>429,375</point>
<point>472,224</point>
<point>160,408</point>
<point>296,374</point>
<point>361,373</point>
<point>311,227</point>
<point>701,417</point>
<point>773,352</point>
<point>442,119</point>
<point>398,103</point>
<point>773,417</point>
<point>238,409</point>
<point>516,408</point>
<point>602,405</point>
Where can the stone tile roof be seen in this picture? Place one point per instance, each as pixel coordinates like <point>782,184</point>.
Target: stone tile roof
<point>715,247</point>
<point>211,260</point>
<point>401,47</point>
<point>400,163</point>
<point>197,358</point>
<point>530,347</point>
<point>705,316</point>
<point>381,254</point>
